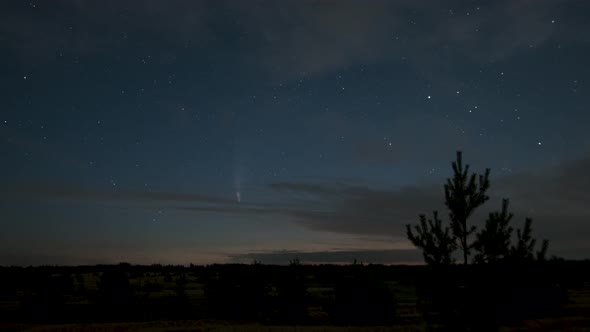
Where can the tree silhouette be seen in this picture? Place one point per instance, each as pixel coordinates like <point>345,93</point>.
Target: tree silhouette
<point>493,242</point>
<point>524,250</point>
<point>463,194</point>
<point>437,242</point>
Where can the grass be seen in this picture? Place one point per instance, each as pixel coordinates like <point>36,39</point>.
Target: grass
<point>197,326</point>
<point>574,317</point>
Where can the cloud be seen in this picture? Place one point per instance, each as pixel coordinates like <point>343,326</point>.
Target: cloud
<point>42,258</point>
<point>98,194</point>
<point>359,210</point>
<point>555,198</point>
<point>397,256</point>
<point>84,28</point>
<point>314,37</point>
<point>294,38</point>
<point>337,208</point>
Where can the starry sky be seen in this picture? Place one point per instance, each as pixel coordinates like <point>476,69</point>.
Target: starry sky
<point>227,131</point>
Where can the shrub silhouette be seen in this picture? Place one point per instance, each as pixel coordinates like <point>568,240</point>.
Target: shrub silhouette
<point>115,294</point>
<point>363,300</point>
<point>237,296</point>
<point>456,297</point>
<point>44,299</point>
<point>292,298</point>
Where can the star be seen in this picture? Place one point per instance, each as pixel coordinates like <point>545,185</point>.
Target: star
<point>204,115</point>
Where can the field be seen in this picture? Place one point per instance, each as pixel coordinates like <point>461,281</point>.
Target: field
<point>289,298</point>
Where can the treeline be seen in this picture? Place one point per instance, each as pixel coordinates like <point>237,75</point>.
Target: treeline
<point>294,294</point>
<point>287,295</point>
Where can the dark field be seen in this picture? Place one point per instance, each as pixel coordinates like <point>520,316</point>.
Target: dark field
<point>549,296</point>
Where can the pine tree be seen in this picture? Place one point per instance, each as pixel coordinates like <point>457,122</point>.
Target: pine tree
<point>437,242</point>
<point>493,242</point>
<point>524,250</point>
<point>463,194</point>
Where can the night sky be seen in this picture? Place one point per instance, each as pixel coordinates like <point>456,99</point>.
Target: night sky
<point>228,131</point>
